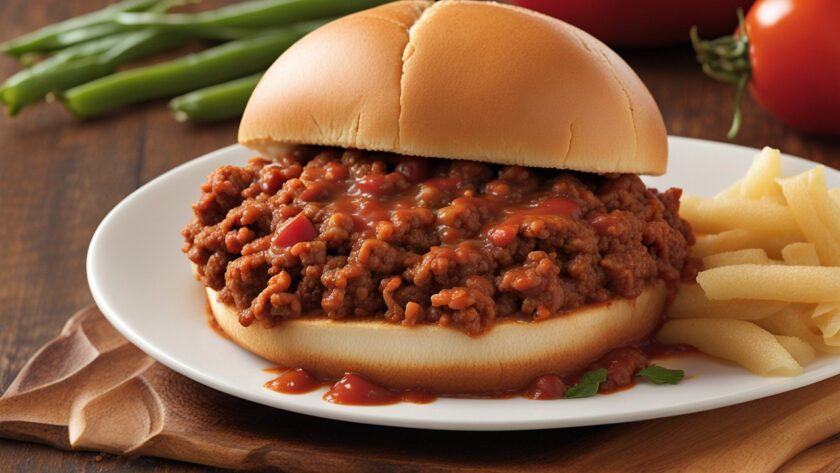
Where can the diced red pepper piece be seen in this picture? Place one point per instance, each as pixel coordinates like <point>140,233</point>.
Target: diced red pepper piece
<point>296,230</point>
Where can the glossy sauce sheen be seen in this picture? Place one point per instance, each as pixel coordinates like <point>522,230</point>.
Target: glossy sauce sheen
<point>351,389</point>
<point>545,388</point>
<point>371,201</point>
<point>294,382</point>
<point>355,390</point>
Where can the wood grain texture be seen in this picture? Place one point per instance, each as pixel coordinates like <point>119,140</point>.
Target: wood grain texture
<point>821,458</point>
<point>90,389</point>
<point>58,178</point>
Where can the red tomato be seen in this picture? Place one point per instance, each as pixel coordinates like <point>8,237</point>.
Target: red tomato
<point>795,59</point>
<point>646,22</point>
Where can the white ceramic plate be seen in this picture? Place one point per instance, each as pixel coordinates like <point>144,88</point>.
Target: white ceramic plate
<point>143,284</point>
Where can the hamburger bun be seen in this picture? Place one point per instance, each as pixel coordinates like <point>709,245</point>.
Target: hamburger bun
<point>460,79</point>
<point>444,360</point>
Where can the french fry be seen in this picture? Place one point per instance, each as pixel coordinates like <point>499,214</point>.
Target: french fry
<point>835,195</point>
<point>745,256</point>
<point>771,318</point>
<point>799,349</point>
<point>732,191</point>
<point>775,199</point>
<point>800,254</point>
<point>830,328</point>
<point>691,303</point>
<point>760,180</point>
<point>804,212</point>
<point>826,318</point>
<point>827,209</point>
<point>731,240</point>
<point>711,216</point>
<point>795,321</point>
<point>790,321</point>
<point>737,340</point>
<point>772,283</point>
<point>825,308</point>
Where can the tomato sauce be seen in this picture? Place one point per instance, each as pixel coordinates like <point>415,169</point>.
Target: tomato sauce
<point>211,321</point>
<point>545,388</point>
<point>355,390</point>
<point>352,389</point>
<point>296,381</point>
<point>655,350</point>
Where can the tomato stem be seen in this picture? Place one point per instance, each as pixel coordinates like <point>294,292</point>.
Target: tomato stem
<point>736,115</point>
<point>726,59</point>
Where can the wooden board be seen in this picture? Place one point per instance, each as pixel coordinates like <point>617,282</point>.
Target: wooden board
<point>89,389</point>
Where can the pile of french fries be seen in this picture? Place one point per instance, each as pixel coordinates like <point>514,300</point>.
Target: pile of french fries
<point>768,297</point>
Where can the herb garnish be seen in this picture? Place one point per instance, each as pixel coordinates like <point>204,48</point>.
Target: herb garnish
<point>588,384</point>
<point>658,375</point>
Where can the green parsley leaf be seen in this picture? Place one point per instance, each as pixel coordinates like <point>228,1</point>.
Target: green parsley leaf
<point>588,384</point>
<point>659,375</point>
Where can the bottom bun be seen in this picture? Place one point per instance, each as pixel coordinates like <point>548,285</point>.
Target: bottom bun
<point>444,360</point>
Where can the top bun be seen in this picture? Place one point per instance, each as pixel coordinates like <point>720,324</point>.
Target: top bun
<point>460,79</point>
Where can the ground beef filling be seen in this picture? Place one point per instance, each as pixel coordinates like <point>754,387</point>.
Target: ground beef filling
<point>355,234</point>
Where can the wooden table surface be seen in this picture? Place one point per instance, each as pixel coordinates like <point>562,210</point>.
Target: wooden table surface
<point>58,179</point>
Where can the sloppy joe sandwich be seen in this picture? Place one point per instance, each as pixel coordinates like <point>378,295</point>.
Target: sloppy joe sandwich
<point>447,198</point>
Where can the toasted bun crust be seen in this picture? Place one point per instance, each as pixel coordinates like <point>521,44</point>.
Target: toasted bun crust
<point>445,360</point>
<point>460,79</point>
